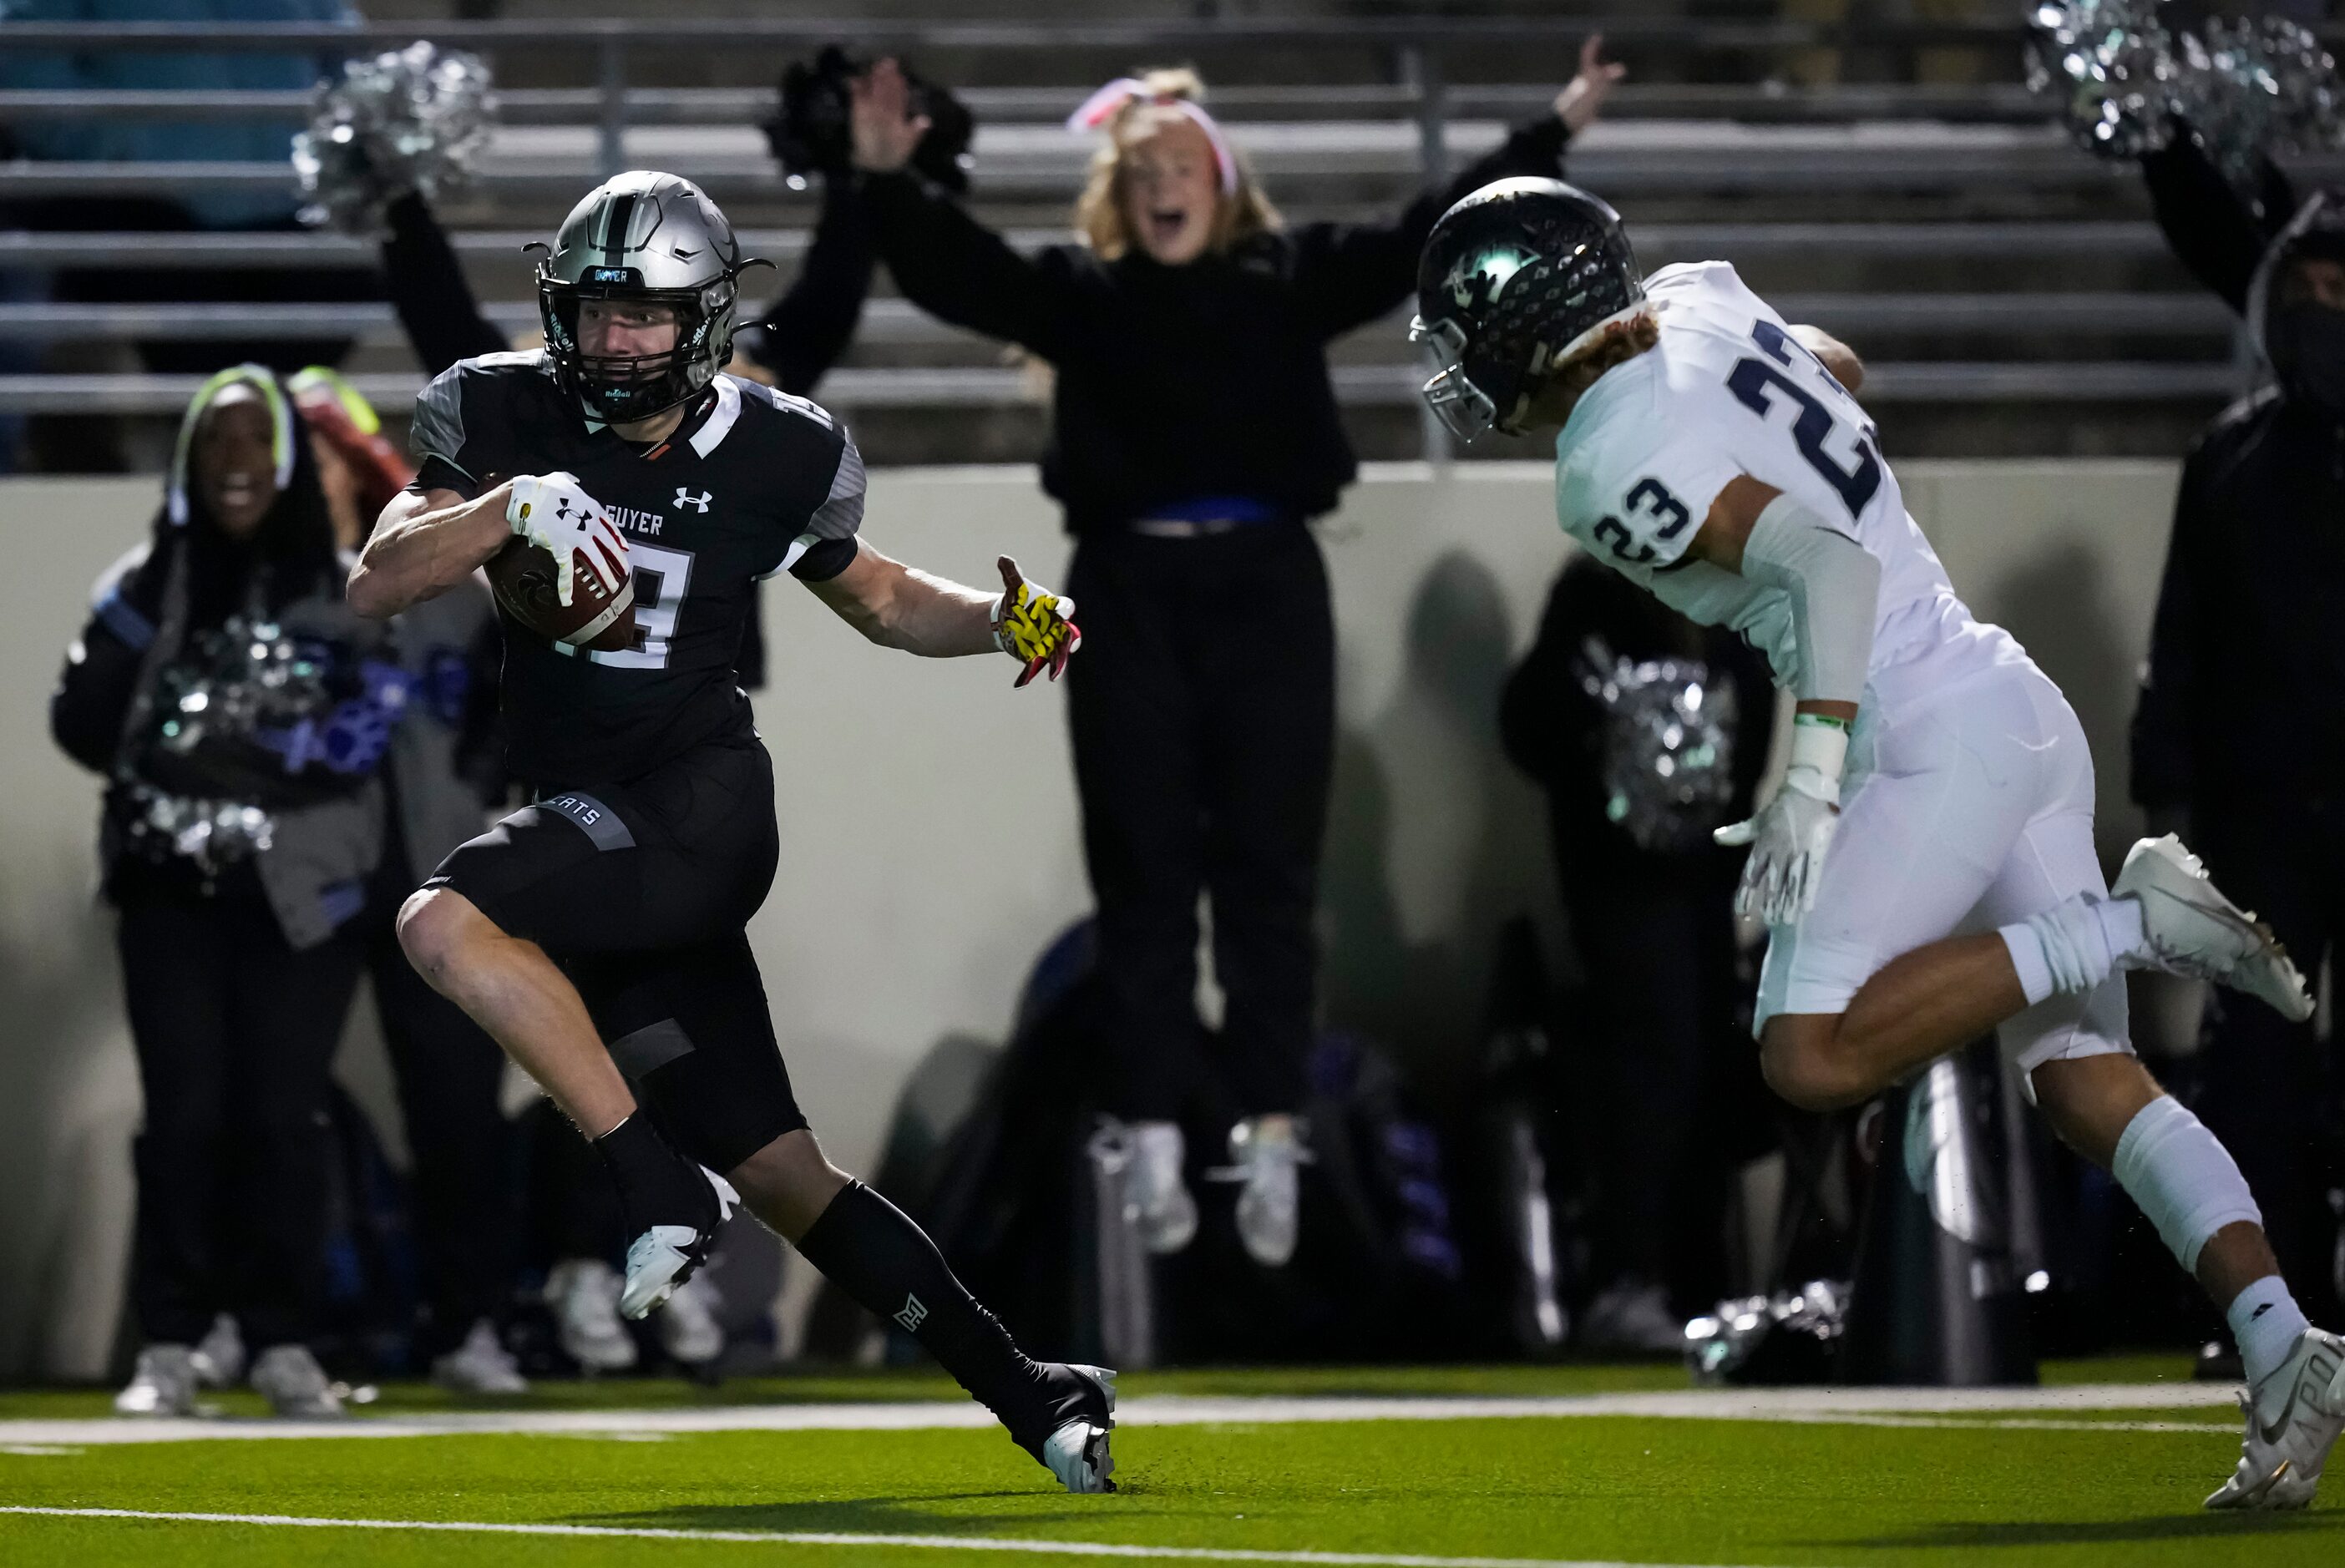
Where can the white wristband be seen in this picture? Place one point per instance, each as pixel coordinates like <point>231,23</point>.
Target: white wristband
<point>1821,745</point>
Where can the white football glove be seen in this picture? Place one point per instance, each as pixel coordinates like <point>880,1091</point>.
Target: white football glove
<point>1789,835</point>
<point>551,511</point>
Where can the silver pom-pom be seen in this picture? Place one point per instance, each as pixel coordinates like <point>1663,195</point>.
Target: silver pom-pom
<point>1669,745</point>
<point>2113,63</point>
<point>254,718</point>
<point>2259,86</point>
<point>2251,88</point>
<point>409,120</point>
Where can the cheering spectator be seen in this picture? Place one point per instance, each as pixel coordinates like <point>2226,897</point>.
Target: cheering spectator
<point>1194,433</point>
<point>235,707</point>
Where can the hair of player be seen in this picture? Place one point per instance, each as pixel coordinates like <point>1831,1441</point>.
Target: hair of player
<point>1100,210</point>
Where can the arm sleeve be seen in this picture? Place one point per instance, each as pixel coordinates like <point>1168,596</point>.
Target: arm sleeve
<point>1348,274</point>
<point>2210,228</point>
<point>959,271</point>
<point>449,454</point>
<point>826,543</point>
<point>429,291</point>
<point>101,671</point>
<point>1833,584</point>
<point>2162,771</point>
<point>806,331</point>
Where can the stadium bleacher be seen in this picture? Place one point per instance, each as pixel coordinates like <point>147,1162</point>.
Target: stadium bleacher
<point>1949,230</point>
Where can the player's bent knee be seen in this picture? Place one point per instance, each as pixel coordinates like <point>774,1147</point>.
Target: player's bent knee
<point>433,926</point>
<point>1799,1057</point>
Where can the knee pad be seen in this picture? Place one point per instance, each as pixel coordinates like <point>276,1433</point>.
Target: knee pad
<point>2183,1180</point>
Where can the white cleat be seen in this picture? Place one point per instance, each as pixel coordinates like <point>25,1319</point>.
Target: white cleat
<point>688,1330</point>
<point>1078,1453</point>
<point>584,1295</point>
<point>2194,930</point>
<point>295,1384</point>
<point>2293,1421</point>
<point>219,1355</point>
<point>1267,1153</point>
<point>481,1364</point>
<point>1168,1213</point>
<point>666,1256</point>
<point>164,1383</point>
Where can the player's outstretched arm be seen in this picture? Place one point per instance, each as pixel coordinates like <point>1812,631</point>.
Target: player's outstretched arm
<point>1833,583</point>
<point>900,606</point>
<point>424,545</point>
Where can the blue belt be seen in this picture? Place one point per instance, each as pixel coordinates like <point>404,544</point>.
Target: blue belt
<point>1207,515</point>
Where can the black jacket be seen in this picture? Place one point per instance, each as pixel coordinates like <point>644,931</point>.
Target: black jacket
<point>1554,730</point>
<point>2239,709</point>
<point>2213,230</point>
<point>1178,383</point>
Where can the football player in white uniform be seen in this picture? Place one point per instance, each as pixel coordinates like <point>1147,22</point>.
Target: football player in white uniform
<point>1927,869</point>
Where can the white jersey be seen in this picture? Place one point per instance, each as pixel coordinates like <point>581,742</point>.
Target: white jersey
<point>1728,391</point>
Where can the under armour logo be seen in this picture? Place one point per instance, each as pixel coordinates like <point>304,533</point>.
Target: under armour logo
<point>683,497</point>
<point>913,1314</point>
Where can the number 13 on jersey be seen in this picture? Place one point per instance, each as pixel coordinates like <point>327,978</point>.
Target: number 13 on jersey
<point>662,578</point>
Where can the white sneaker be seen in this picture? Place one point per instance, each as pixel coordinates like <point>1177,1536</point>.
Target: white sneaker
<point>666,1256</point>
<point>481,1365</point>
<point>688,1330</point>
<point>219,1355</point>
<point>1631,1317</point>
<point>2194,930</point>
<point>1265,1153</point>
<point>1168,1214</point>
<point>164,1383</point>
<point>1079,1453</point>
<point>295,1384</point>
<point>2293,1420</point>
<point>584,1295</point>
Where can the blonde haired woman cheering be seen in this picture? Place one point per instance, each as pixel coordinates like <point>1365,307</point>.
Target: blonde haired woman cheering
<point>1194,431</point>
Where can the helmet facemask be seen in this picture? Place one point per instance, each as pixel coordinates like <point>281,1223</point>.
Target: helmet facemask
<point>620,390</point>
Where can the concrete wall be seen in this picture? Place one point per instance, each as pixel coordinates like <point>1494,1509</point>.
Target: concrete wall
<point>929,828</point>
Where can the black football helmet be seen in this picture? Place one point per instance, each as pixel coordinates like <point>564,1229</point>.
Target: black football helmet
<point>1515,278</point>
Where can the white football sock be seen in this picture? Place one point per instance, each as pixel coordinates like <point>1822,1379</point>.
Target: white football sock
<point>2186,1182</point>
<point>2073,946</point>
<point>2265,1324</point>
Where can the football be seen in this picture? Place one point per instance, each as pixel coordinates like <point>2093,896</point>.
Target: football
<point>523,578</point>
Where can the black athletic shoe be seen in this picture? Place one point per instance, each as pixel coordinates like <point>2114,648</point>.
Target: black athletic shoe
<point>1074,1413</point>
<point>673,1208</point>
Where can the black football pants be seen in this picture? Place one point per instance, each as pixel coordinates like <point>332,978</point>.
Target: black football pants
<point>1203,712</point>
<point>2273,1088</point>
<point>235,1033</point>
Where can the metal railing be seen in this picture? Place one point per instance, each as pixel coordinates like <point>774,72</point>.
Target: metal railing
<point>1405,64</point>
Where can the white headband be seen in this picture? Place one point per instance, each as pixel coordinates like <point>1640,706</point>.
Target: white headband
<point>1103,105</point>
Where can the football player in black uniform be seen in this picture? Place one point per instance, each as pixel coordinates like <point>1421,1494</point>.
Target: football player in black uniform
<point>598,933</point>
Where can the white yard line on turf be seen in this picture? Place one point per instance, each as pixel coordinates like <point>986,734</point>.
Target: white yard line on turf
<point>826,1538</point>
<point>1860,1406</point>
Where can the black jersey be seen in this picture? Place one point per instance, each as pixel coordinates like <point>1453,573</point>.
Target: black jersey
<point>753,483</point>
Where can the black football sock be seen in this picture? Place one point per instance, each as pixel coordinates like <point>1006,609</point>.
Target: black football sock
<point>657,1186</point>
<point>872,1250</point>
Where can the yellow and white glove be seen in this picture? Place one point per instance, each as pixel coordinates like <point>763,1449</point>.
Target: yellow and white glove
<point>1034,625</point>
<point>1789,835</point>
<point>551,511</point>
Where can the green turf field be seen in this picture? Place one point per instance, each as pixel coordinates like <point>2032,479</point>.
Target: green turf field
<point>2083,1486</point>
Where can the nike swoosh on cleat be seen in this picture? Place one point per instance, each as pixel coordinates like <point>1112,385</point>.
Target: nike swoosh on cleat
<point>2273,1431</point>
